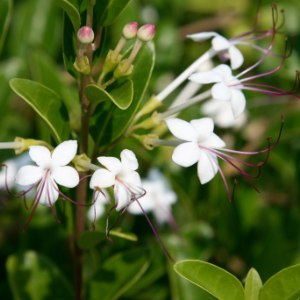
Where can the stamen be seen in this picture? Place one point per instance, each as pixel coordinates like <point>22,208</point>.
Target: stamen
<point>235,182</point>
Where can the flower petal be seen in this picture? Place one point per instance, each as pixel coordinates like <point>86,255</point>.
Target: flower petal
<point>132,178</point>
<point>122,196</point>
<point>238,102</point>
<point>202,36</point>
<point>28,175</point>
<point>66,176</point>
<point>182,129</point>
<point>64,153</point>
<point>186,154</point>
<point>220,91</point>
<point>210,107</point>
<point>213,142</point>
<point>111,163</point>
<point>49,192</point>
<point>223,70</point>
<point>129,160</point>
<point>219,43</point>
<point>205,77</point>
<point>236,57</point>
<point>102,178</point>
<point>204,127</point>
<point>41,155</point>
<point>207,168</point>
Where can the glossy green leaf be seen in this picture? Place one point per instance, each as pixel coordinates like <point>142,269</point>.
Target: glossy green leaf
<point>34,277</point>
<point>107,11</point>
<point>285,285</point>
<point>5,16</point>
<point>47,104</point>
<point>253,285</point>
<point>90,239</point>
<point>214,280</point>
<point>110,122</point>
<point>72,12</point>
<point>118,274</point>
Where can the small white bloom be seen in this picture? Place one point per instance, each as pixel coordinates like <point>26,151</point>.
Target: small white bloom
<point>158,199</point>
<point>121,175</point>
<point>223,46</point>
<point>200,139</point>
<point>225,88</point>
<point>50,169</point>
<point>99,207</point>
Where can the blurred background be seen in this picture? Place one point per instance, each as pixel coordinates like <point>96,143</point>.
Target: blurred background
<point>259,230</point>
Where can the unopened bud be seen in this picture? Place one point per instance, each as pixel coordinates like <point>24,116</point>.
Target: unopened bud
<point>130,30</point>
<point>146,32</point>
<point>85,35</point>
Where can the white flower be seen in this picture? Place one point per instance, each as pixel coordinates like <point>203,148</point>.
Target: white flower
<point>200,140</point>
<point>158,199</point>
<point>51,169</point>
<point>99,207</point>
<point>121,175</point>
<point>223,46</point>
<point>227,87</point>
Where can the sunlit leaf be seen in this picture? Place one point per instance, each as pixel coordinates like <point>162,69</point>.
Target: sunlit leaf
<point>5,16</point>
<point>72,12</point>
<point>253,285</point>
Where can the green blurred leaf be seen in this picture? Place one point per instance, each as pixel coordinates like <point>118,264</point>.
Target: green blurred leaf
<point>90,239</point>
<point>253,285</point>
<point>110,122</point>
<point>285,285</point>
<point>72,12</point>
<point>34,277</point>
<point>214,280</point>
<point>47,104</point>
<point>5,16</point>
<point>118,274</point>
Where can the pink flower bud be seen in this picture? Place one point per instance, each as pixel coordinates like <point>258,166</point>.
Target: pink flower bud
<point>85,35</point>
<point>146,32</point>
<point>130,30</point>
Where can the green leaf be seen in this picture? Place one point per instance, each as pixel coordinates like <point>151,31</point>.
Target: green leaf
<point>109,122</point>
<point>47,104</point>
<point>72,12</point>
<point>253,285</point>
<point>34,277</point>
<point>5,17</point>
<point>285,285</point>
<point>118,274</point>
<point>121,96</point>
<point>107,11</point>
<point>90,239</point>
<point>214,280</point>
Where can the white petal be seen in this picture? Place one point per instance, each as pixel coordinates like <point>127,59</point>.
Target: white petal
<point>64,153</point>
<point>135,209</point>
<point>102,178</point>
<point>223,70</point>
<point>205,77</point>
<point>213,142</point>
<point>219,43</point>
<point>41,155</point>
<point>220,91</point>
<point>210,107</point>
<point>238,102</point>
<point>66,176</point>
<point>121,195</point>
<point>111,163</point>
<point>202,36</point>
<point>129,160</point>
<point>28,175</point>
<point>186,154</point>
<point>207,168</point>
<point>48,193</point>
<point>132,178</point>
<point>182,129</point>
<point>236,57</point>
<point>99,207</point>
<point>204,127</point>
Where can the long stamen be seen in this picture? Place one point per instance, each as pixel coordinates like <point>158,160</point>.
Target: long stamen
<point>49,200</point>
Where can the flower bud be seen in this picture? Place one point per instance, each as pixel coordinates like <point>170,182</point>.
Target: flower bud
<point>130,30</point>
<point>85,35</point>
<point>146,32</point>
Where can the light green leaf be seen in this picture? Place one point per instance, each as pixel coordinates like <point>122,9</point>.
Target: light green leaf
<point>253,285</point>
<point>5,17</point>
<point>214,280</point>
<point>34,277</point>
<point>72,12</point>
<point>109,122</point>
<point>90,239</point>
<point>118,274</point>
<point>47,104</point>
<point>285,285</point>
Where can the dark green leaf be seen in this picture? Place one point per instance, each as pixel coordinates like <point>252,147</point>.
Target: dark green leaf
<point>47,104</point>
<point>5,16</point>
<point>285,285</point>
<point>214,280</point>
<point>253,285</point>
<point>72,12</point>
<point>32,276</point>
<point>118,274</point>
